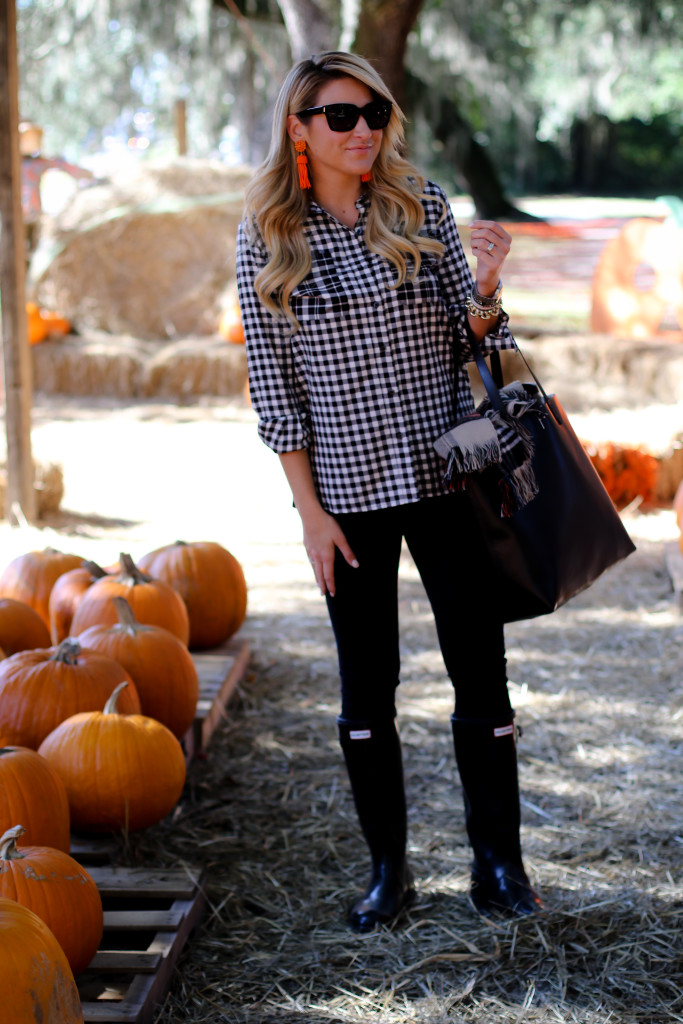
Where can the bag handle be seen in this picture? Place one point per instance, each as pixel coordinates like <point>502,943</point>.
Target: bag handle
<point>492,379</point>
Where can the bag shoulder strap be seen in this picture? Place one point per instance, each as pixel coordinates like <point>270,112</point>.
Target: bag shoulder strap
<point>492,378</point>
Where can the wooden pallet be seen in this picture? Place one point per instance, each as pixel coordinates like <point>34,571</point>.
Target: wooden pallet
<point>219,671</point>
<point>148,917</point>
<point>674,564</point>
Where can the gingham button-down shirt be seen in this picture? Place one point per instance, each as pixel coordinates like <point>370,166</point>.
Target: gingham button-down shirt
<point>374,374</point>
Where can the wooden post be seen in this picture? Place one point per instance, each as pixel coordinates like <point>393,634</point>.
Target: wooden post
<point>20,502</point>
<point>180,114</point>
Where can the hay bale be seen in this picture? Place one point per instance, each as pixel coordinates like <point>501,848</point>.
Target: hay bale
<point>97,364</point>
<point>147,254</point>
<point>119,366</point>
<point>599,371</point>
<point>670,472</point>
<point>48,484</point>
<point>195,366</point>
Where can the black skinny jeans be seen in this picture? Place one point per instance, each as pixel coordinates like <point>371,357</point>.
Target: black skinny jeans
<point>444,540</point>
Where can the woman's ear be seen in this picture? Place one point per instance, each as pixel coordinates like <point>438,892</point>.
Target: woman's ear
<point>295,129</point>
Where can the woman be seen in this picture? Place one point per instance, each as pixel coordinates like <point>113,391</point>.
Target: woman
<point>358,307</point>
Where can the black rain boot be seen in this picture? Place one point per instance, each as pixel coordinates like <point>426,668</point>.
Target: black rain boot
<point>372,751</point>
<point>486,754</point>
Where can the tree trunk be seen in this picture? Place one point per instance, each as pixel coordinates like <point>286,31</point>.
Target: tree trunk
<point>20,497</point>
<point>470,159</point>
<point>310,27</point>
<point>381,36</point>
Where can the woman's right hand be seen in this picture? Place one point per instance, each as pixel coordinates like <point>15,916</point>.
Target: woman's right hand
<point>322,536</point>
<point>322,533</point>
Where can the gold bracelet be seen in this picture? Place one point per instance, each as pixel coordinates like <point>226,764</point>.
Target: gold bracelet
<point>483,312</point>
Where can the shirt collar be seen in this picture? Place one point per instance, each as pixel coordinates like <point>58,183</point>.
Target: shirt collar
<point>361,204</point>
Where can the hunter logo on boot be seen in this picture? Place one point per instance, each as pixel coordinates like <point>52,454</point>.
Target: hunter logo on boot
<point>504,730</point>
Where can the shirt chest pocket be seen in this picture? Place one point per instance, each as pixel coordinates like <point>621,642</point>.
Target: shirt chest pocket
<point>337,340</point>
<point>425,289</point>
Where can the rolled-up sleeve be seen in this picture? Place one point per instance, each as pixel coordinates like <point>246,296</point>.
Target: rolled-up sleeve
<point>270,363</point>
<point>456,281</point>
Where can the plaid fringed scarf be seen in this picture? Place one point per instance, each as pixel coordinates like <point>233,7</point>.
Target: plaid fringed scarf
<point>492,438</point>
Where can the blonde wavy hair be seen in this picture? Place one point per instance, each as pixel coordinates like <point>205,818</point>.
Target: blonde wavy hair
<point>276,206</point>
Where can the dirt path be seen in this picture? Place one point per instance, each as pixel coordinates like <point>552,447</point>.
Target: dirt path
<point>267,815</point>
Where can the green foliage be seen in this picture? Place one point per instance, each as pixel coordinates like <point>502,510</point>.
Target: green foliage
<point>540,82</point>
<point>523,71</point>
<point>91,69</point>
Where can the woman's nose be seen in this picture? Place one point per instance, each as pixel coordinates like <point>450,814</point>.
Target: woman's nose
<point>362,128</point>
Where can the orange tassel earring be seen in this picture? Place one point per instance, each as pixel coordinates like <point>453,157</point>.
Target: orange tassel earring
<point>302,164</point>
<point>367,176</point>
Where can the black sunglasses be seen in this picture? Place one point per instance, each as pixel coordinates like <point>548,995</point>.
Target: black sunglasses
<point>343,117</point>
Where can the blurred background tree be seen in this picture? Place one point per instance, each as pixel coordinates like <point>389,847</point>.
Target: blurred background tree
<point>503,98</point>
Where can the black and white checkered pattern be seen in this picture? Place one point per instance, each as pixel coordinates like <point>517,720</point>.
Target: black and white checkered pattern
<point>375,373</point>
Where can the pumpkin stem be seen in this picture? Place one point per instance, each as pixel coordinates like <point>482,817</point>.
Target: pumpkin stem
<point>125,613</point>
<point>8,843</point>
<point>95,570</point>
<point>68,651</point>
<point>130,572</point>
<point>110,707</point>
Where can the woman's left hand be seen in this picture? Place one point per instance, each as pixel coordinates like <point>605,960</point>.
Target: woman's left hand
<point>490,245</point>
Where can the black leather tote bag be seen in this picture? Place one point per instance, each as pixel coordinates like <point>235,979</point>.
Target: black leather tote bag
<point>567,535</point>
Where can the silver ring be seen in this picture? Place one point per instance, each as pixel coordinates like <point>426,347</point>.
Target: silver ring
<point>491,246</point>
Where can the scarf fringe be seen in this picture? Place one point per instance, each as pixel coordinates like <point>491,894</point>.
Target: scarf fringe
<point>496,437</point>
<point>469,447</point>
<point>518,488</point>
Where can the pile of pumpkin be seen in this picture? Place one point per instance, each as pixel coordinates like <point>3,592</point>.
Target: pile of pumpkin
<point>42,324</point>
<point>97,688</point>
<point>627,473</point>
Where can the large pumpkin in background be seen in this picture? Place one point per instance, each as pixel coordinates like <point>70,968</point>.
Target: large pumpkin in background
<point>21,627</point>
<point>56,888</point>
<point>30,578</point>
<point>212,585</point>
<point>39,689</point>
<point>33,794</point>
<point>159,664</point>
<point>36,981</point>
<point>154,602</point>
<point>120,771</point>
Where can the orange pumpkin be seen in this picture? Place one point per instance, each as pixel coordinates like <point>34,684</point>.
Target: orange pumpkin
<point>211,582</point>
<point>30,578</point>
<point>36,981</point>
<point>120,771</point>
<point>36,326</point>
<point>65,597</point>
<point>32,792</point>
<point>21,627</point>
<point>56,888</point>
<point>39,689</point>
<point>230,326</point>
<point>153,601</point>
<point>159,664</point>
